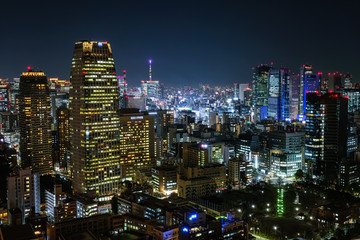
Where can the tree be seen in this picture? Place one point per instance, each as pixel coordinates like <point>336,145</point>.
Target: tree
<point>299,174</point>
<point>114,205</point>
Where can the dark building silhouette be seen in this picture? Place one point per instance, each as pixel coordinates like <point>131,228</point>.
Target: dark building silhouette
<point>326,132</point>
<point>35,122</point>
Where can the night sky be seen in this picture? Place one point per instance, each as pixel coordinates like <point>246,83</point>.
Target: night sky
<point>214,42</point>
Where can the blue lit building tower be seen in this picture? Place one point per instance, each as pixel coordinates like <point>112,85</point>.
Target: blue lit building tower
<point>279,94</point>
<point>285,94</point>
<point>294,95</point>
<point>309,82</point>
<point>274,94</point>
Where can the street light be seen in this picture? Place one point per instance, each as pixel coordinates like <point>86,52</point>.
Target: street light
<point>275,228</point>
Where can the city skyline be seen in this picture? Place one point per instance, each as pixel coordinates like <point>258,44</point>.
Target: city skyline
<point>172,120</point>
<point>228,38</point>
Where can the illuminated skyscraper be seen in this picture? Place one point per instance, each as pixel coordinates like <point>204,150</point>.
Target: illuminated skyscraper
<point>122,89</point>
<point>279,94</point>
<point>136,143</point>
<point>274,94</point>
<point>150,89</point>
<point>347,81</point>
<point>24,192</point>
<point>35,122</point>
<point>63,132</point>
<point>294,96</point>
<point>4,95</point>
<point>326,132</point>
<point>305,69</point>
<point>260,85</point>
<point>309,82</point>
<point>94,123</point>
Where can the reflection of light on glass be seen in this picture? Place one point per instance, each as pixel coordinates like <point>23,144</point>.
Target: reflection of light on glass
<point>256,161</point>
<point>192,217</point>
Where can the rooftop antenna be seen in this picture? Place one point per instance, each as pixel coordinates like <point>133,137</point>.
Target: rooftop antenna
<point>150,69</point>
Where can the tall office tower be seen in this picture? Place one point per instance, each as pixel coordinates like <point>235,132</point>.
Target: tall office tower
<point>24,192</point>
<point>274,94</point>
<point>94,122</point>
<point>242,88</point>
<point>311,83</point>
<point>279,94</point>
<point>294,96</point>
<point>136,143</point>
<point>35,122</point>
<point>260,85</point>
<point>122,89</point>
<point>164,118</point>
<point>326,132</point>
<point>150,89</point>
<point>248,96</point>
<point>353,95</point>
<point>334,82</point>
<point>63,133</point>
<point>337,81</point>
<point>4,95</point>
<point>236,91</point>
<point>347,81</point>
<point>304,70</point>
<point>285,94</point>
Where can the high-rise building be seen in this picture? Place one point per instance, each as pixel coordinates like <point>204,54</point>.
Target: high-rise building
<point>137,132</point>
<point>248,97</point>
<point>150,89</point>
<point>242,88</point>
<point>195,155</point>
<point>279,94</point>
<point>164,118</point>
<point>122,89</point>
<point>237,170</point>
<point>94,122</point>
<point>334,82</point>
<point>285,163</point>
<point>35,122</point>
<point>326,132</point>
<point>305,69</point>
<point>354,99</point>
<point>4,95</point>
<point>294,96</point>
<point>24,192</point>
<point>347,81</point>
<point>274,94</point>
<point>309,82</point>
<point>285,94</point>
<point>260,85</point>
<point>63,134</point>
<point>236,91</point>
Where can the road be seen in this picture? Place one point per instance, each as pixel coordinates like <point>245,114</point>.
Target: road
<point>258,237</point>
